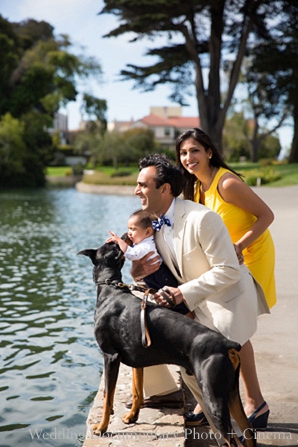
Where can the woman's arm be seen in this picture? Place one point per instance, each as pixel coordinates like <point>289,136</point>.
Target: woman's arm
<point>235,191</point>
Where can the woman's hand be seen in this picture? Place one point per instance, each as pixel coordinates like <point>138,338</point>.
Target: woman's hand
<point>173,294</point>
<point>144,267</point>
<point>239,254</point>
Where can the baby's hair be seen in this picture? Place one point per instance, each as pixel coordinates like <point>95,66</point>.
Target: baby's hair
<point>145,218</point>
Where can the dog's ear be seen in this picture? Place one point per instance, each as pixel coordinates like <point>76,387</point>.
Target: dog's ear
<point>90,252</point>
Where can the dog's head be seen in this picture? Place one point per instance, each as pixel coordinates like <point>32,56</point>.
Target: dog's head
<point>108,255</point>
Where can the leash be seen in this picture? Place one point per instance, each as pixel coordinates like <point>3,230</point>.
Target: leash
<point>107,282</point>
<point>168,296</point>
<point>146,340</point>
<point>165,292</point>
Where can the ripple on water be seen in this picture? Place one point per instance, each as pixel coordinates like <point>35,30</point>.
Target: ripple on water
<point>51,364</point>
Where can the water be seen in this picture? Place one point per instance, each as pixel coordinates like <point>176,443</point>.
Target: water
<point>50,365</point>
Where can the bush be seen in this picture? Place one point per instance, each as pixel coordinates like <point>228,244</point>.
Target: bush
<point>121,174</point>
<point>261,176</point>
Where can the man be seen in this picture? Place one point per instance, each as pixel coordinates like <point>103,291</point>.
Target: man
<point>198,250</point>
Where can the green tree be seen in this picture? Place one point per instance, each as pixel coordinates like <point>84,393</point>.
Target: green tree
<point>13,150</point>
<point>235,142</point>
<point>238,139</point>
<point>138,143</point>
<point>270,146</point>
<point>38,75</point>
<point>112,148</point>
<point>95,108</point>
<point>90,142</point>
<point>40,148</point>
<point>201,36</point>
<point>276,60</point>
<point>115,147</point>
<point>9,59</point>
<point>263,114</point>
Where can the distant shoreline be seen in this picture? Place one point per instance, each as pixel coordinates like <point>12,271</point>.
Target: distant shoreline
<point>117,190</point>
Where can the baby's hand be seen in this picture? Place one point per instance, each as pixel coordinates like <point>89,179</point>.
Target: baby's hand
<point>114,238</point>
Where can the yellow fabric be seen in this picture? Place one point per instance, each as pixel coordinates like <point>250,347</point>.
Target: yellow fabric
<point>259,257</point>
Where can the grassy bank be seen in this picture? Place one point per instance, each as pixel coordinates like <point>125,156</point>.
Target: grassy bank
<point>273,174</point>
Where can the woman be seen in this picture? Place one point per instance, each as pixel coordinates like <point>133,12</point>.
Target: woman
<point>210,181</point>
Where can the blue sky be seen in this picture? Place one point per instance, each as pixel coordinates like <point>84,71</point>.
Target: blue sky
<point>80,20</point>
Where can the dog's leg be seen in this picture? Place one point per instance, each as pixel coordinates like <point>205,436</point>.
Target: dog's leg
<point>111,371</point>
<point>237,411</point>
<point>137,396</point>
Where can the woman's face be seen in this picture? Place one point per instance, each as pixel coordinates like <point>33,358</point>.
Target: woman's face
<point>194,157</point>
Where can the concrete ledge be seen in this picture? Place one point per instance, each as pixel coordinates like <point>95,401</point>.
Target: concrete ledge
<point>116,190</point>
<point>156,428</point>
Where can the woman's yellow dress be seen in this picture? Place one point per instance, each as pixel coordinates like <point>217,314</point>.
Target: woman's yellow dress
<point>259,257</point>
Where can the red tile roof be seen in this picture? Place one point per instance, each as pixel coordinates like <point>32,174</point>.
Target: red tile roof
<point>185,121</point>
<point>177,122</point>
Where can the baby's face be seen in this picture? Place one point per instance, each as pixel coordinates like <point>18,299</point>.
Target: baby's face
<point>135,232</point>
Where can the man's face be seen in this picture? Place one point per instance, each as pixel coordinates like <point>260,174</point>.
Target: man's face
<point>151,198</point>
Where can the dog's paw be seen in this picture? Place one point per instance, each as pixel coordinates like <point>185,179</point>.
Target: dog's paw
<point>99,429</point>
<point>130,418</point>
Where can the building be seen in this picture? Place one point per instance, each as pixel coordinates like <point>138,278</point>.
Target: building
<point>165,122</point>
<point>60,125</point>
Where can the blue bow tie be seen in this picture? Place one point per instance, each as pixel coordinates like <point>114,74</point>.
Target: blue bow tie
<point>162,220</point>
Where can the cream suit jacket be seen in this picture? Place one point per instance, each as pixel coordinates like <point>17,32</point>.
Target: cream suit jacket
<point>223,295</point>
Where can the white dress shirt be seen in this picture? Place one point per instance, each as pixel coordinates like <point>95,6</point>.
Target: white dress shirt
<point>168,232</point>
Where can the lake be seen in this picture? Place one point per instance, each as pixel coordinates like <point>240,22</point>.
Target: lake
<point>49,361</point>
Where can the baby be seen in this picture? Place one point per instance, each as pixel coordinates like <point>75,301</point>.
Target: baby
<point>141,233</point>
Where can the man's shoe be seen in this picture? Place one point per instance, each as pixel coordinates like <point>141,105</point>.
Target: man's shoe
<point>172,400</point>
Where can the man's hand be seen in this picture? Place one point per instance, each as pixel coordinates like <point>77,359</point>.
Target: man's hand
<point>143,267</point>
<point>174,295</point>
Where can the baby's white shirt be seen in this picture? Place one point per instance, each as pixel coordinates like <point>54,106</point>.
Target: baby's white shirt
<point>138,251</point>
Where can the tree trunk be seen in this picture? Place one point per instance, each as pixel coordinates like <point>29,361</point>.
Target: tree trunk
<point>293,158</point>
<point>211,110</point>
<point>255,141</point>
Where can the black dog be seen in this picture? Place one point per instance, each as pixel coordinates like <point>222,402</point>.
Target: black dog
<point>175,339</point>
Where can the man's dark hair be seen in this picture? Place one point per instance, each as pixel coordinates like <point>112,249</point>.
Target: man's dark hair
<point>166,172</point>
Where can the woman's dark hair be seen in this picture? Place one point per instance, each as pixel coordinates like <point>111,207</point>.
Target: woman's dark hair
<point>217,161</point>
<point>166,172</point>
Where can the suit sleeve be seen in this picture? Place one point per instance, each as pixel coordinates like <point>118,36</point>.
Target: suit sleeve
<point>210,264</point>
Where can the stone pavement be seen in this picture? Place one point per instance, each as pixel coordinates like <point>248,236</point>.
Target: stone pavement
<point>155,428</point>
<point>276,351</point>
<point>276,340</point>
